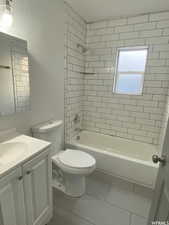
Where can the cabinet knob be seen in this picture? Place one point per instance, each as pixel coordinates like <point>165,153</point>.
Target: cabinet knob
<point>20,178</point>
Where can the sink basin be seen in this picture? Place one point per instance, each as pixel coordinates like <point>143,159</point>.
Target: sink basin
<point>11,152</point>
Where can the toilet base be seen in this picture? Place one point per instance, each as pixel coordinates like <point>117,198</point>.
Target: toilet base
<point>56,184</point>
<point>75,185</point>
<point>72,185</point>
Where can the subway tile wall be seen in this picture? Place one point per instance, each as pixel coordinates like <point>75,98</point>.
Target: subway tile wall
<point>140,118</point>
<point>75,33</point>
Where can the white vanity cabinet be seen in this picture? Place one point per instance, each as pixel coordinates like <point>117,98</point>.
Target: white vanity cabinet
<point>37,189</point>
<point>12,207</point>
<point>25,193</point>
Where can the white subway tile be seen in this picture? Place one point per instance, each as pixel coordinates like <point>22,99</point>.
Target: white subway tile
<point>98,25</point>
<point>163,24</point>
<point>151,33</point>
<point>117,22</point>
<point>129,35</point>
<point>159,16</point>
<point>154,40</point>
<point>127,28</point>
<point>145,26</point>
<point>138,19</point>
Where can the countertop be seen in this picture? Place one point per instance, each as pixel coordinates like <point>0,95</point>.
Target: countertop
<point>33,147</point>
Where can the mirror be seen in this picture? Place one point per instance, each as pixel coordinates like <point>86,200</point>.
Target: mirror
<point>14,75</point>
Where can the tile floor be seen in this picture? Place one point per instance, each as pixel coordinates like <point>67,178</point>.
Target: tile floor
<point>108,201</point>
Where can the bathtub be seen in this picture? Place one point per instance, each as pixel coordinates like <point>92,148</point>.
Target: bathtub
<point>129,160</point>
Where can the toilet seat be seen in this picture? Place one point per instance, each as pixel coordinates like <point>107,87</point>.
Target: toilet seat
<point>75,162</point>
<point>77,159</point>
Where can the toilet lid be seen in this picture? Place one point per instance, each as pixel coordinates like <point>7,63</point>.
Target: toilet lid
<point>76,159</point>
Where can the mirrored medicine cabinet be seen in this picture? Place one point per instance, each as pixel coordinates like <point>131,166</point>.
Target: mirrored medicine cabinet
<point>14,75</point>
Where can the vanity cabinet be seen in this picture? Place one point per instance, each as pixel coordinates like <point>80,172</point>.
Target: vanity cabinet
<point>25,193</point>
<point>12,207</point>
<point>37,188</point>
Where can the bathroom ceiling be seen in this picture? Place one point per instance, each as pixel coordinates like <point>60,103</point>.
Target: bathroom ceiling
<point>93,10</point>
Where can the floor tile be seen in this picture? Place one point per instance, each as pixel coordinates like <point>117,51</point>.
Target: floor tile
<point>124,196</point>
<point>96,187</point>
<point>137,220</point>
<point>93,210</point>
<point>63,217</point>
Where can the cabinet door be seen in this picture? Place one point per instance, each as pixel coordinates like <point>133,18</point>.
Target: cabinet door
<point>37,189</point>
<point>12,211</point>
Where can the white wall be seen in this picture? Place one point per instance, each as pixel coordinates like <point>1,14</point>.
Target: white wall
<point>42,25</point>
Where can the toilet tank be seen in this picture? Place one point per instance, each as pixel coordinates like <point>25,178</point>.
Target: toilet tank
<point>51,131</point>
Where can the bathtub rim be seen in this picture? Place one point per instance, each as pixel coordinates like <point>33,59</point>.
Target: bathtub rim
<point>116,155</point>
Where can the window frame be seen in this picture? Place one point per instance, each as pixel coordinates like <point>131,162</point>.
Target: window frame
<point>129,72</point>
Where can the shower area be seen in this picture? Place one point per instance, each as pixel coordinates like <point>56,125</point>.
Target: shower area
<point>122,131</point>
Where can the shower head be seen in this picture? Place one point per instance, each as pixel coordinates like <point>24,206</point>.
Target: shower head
<point>83,48</point>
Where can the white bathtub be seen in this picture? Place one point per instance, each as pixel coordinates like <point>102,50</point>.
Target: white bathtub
<point>129,160</point>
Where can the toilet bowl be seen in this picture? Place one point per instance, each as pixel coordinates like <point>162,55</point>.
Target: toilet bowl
<point>74,166</point>
<point>70,167</point>
<point>75,162</point>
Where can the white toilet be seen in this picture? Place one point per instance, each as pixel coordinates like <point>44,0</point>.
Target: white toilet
<point>69,166</point>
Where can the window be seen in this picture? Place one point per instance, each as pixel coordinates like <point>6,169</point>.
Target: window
<point>131,63</point>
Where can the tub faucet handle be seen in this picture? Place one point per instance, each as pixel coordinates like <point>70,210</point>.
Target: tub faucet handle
<point>76,119</point>
<point>78,129</point>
